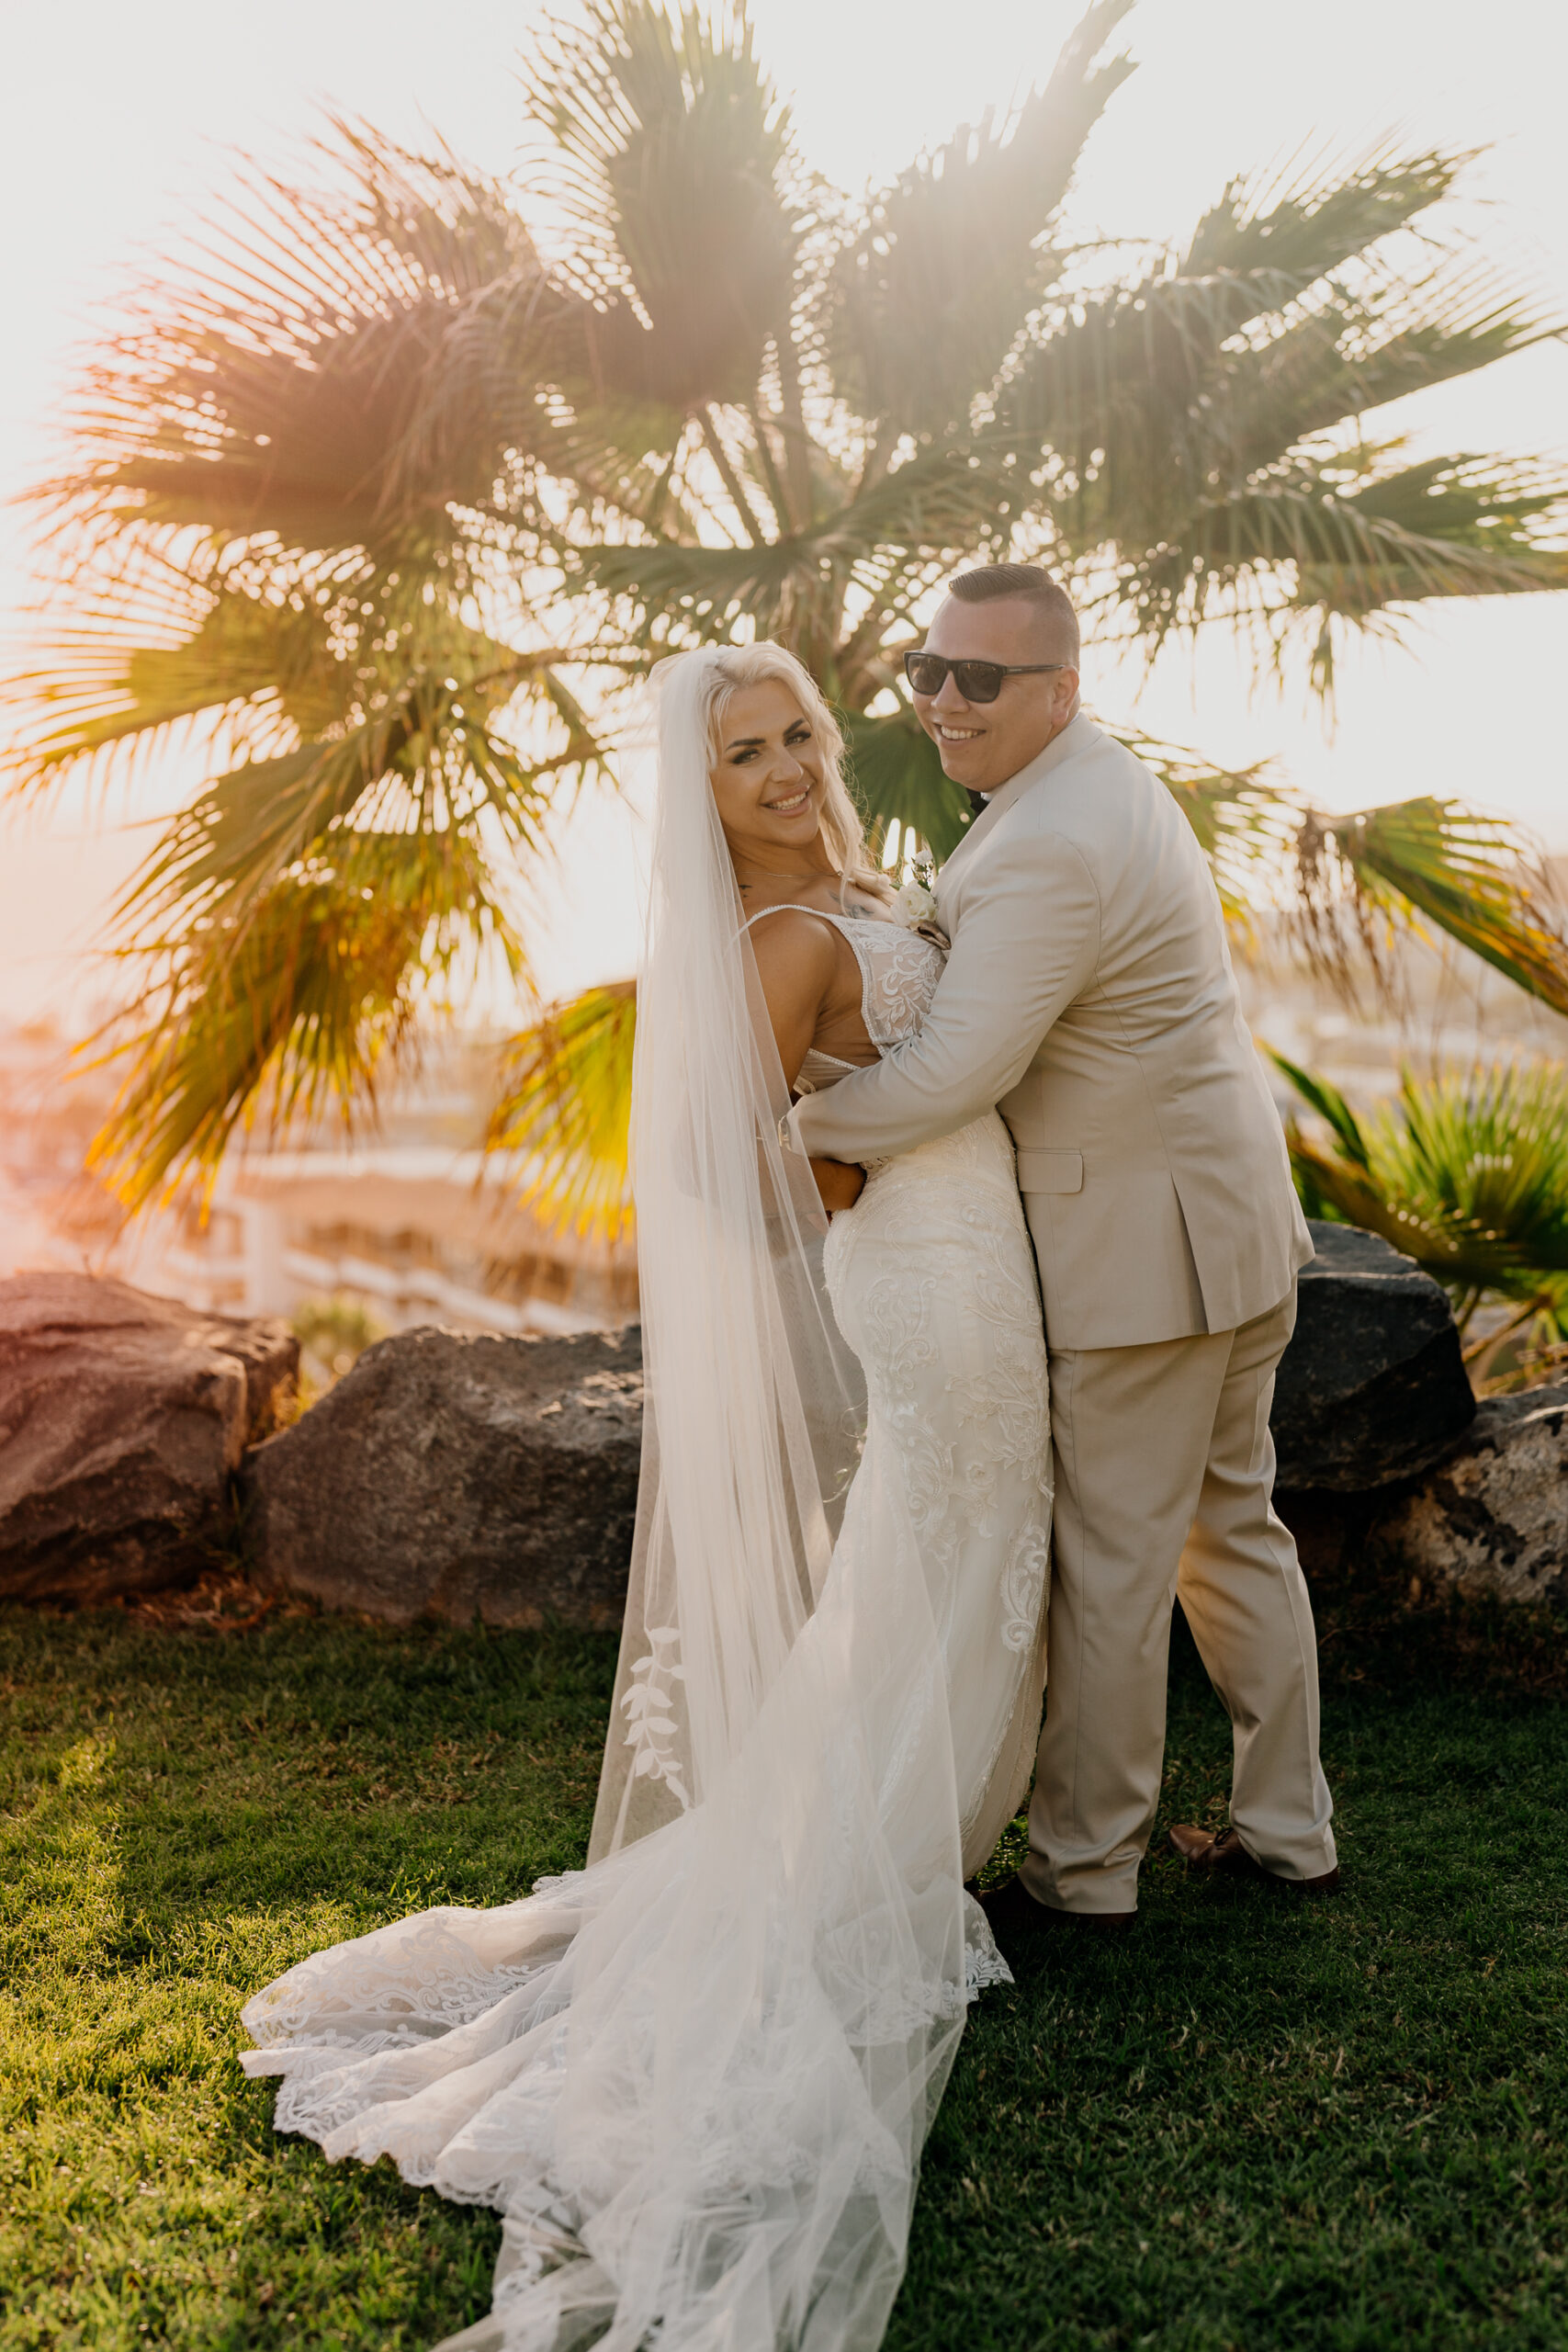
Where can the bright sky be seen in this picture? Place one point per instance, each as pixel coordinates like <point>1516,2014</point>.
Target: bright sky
<point>116,128</point>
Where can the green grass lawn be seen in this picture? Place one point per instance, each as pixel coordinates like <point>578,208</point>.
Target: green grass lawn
<point>1251,2125</point>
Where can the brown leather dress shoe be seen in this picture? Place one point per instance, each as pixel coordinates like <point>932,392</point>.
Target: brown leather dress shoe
<point>1018,1921</point>
<point>1201,1851</point>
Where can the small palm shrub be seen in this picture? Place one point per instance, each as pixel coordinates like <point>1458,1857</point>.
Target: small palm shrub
<point>1469,1176</point>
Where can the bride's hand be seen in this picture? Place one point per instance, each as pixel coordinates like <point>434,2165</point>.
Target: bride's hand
<point>840,1185</point>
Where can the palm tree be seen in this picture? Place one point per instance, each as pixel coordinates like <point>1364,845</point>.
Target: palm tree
<point>399,485</point>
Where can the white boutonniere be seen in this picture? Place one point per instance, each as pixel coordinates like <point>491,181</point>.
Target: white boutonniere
<point>913,905</point>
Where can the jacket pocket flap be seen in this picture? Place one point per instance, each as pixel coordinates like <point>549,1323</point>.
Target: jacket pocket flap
<point>1050,1172</point>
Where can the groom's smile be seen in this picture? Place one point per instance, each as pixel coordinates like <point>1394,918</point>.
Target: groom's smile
<point>983,743</point>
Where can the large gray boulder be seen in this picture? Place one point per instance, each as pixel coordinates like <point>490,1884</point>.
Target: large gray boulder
<point>460,1477</point>
<point>1373,1387</point>
<point>1493,1516</point>
<point>122,1419</point>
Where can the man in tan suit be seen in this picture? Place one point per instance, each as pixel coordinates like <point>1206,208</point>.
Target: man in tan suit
<point>1089,996</point>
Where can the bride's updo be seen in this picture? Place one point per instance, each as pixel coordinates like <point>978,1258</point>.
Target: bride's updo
<point>731,667</point>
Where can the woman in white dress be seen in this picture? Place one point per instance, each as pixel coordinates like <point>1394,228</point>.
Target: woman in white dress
<point>695,2078</point>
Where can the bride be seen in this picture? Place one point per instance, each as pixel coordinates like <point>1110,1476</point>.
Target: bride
<point>695,2078</point>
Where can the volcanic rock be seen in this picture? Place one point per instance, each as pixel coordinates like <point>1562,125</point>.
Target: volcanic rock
<point>459,1477</point>
<point>1493,1516</point>
<point>1373,1387</point>
<point>122,1418</point>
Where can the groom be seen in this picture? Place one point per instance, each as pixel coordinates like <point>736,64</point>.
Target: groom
<point>1089,996</point>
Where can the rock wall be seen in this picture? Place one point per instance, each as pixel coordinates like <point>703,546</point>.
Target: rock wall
<point>465,1477</point>
<point>1493,1516</point>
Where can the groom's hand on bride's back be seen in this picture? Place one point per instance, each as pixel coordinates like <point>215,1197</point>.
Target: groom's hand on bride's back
<point>839,1184</point>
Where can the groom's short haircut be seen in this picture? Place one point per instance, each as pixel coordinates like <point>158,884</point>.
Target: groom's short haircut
<point>989,582</point>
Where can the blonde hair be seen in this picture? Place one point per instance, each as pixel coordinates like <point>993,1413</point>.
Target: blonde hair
<point>843,832</point>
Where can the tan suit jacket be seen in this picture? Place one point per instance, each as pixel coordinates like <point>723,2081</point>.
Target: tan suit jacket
<point>1089,996</point>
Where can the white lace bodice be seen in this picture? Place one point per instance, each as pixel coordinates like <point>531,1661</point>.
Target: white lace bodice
<point>899,970</point>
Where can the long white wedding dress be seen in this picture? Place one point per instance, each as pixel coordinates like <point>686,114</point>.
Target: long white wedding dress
<point>695,2078</point>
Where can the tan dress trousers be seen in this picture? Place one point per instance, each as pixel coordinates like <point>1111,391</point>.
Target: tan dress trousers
<point>1164,1469</point>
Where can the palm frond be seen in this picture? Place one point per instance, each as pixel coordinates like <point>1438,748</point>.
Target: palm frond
<point>926,304</point>
<point>1310,221</point>
<point>671,149</point>
<point>1475,877</point>
<point>356,685</point>
<point>1105,407</point>
<point>274,385</point>
<point>297,1014</point>
<point>934,508</point>
<point>99,692</point>
<point>298,914</point>
<point>1203,421</point>
<point>231,848</point>
<point>1307,548</point>
<point>896,773</point>
<point>1344,357</point>
<point>1330,1106</point>
<point>1449,526</point>
<point>1334,1191</point>
<point>565,1108</point>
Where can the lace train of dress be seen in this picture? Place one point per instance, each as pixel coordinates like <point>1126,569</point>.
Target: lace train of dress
<point>504,2056</point>
<point>695,2078</point>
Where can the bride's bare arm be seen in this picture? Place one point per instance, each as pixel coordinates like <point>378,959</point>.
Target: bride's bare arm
<point>839,1184</point>
<point>798,963</point>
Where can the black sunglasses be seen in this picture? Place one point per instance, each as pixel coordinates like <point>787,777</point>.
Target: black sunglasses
<point>978,681</point>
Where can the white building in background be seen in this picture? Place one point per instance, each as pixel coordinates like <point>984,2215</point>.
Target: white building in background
<point>413,1233</point>
<point>419,1226</point>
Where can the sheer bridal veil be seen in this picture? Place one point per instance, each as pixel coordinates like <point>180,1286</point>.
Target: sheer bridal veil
<point>754,1404</point>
